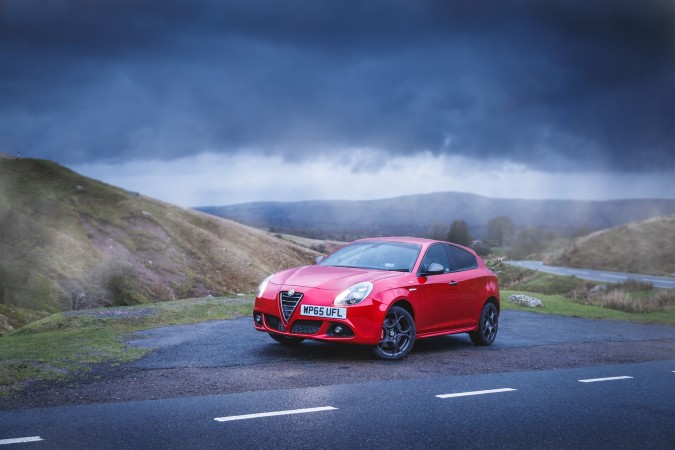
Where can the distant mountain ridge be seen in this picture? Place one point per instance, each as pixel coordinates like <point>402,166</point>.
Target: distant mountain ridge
<point>67,241</point>
<point>415,214</point>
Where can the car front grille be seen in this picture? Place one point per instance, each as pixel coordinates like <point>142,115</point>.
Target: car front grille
<point>289,303</point>
<point>274,322</point>
<point>307,326</point>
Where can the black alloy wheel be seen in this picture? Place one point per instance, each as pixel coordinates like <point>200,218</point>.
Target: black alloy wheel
<point>487,326</point>
<point>398,334</point>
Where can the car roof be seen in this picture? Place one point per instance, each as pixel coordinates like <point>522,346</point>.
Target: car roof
<point>412,240</point>
<point>406,239</point>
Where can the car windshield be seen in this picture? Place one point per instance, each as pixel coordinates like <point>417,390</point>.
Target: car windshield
<point>396,256</point>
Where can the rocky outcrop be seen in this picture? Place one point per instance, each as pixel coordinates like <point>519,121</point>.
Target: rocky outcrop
<point>525,300</point>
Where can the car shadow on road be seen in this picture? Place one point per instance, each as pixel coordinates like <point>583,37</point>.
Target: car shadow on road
<point>316,351</point>
<point>443,344</point>
<point>328,351</point>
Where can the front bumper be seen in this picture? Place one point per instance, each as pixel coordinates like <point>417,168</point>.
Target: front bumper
<point>363,324</point>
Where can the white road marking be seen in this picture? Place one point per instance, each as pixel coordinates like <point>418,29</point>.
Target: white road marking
<point>613,276</point>
<point>466,394</point>
<point>593,380</point>
<point>20,440</point>
<point>275,413</point>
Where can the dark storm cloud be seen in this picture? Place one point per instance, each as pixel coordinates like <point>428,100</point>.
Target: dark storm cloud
<point>555,85</point>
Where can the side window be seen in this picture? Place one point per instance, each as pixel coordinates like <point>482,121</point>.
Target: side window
<point>435,254</point>
<point>463,259</point>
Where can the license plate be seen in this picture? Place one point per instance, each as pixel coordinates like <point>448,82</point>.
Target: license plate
<point>327,312</point>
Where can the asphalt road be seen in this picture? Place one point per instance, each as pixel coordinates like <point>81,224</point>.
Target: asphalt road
<point>235,343</point>
<point>624,406</point>
<point>222,370</point>
<point>604,276</point>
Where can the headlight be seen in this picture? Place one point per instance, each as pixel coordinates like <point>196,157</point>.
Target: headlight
<point>263,286</point>
<point>354,294</point>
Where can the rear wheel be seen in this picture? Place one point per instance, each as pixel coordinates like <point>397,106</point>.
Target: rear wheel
<point>286,340</point>
<point>398,334</point>
<point>487,326</point>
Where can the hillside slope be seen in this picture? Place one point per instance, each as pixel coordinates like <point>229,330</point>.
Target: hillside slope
<point>68,242</point>
<point>414,214</point>
<point>645,247</point>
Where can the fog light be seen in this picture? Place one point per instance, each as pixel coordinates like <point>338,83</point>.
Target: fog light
<point>258,318</point>
<point>338,329</point>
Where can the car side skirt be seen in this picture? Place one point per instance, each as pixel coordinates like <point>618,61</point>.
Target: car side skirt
<point>445,332</point>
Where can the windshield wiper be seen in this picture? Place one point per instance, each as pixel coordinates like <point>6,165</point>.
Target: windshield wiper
<point>347,267</point>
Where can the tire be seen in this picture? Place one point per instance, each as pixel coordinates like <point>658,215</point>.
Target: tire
<point>487,326</point>
<point>398,335</point>
<point>286,340</point>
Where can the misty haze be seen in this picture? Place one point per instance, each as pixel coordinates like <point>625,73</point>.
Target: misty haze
<point>169,170</point>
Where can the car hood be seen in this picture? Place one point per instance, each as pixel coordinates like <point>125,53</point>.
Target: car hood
<point>328,277</point>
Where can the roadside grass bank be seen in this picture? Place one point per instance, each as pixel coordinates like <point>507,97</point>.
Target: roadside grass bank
<point>63,344</point>
<point>572,296</point>
<point>564,306</point>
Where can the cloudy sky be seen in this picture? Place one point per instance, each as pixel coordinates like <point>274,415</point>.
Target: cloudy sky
<point>210,102</point>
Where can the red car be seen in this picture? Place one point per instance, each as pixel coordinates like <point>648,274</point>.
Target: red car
<point>383,292</point>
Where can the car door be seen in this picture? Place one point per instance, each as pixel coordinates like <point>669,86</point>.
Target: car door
<point>436,292</point>
<point>467,299</point>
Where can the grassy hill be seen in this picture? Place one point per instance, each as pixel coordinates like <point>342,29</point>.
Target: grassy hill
<point>415,214</point>
<point>645,247</point>
<point>70,242</point>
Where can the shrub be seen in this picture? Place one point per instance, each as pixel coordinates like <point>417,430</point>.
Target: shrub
<point>663,299</point>
<point>125,287</point>
<point>482,249</point>
<point>632,285</point>
<point>620,299</point>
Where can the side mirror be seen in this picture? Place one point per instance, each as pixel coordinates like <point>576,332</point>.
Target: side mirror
<point>434,269</point>
<point>319,259</point>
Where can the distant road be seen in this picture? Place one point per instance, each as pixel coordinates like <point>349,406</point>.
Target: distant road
<point>604,276</point>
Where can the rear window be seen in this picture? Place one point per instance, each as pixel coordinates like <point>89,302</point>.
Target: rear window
<point>463,259</point>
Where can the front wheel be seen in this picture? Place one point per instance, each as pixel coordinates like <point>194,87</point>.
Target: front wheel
<point>398,335</point>
<point>286,340</point>
<point>487,326</point>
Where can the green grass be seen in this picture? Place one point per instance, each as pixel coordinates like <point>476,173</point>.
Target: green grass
<point>64,344</point>
<point>571,296</point>
<point>518,278</point>
<point>563,306</point>
<point>551,284</point>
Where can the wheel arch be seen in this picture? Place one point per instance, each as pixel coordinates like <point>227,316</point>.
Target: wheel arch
<point>491,299</point>
<point>494,301</point>
<point>405,304</point>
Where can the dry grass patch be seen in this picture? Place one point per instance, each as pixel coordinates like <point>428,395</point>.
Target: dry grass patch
<point>644,247</point>
<point>620,300</point>
<point>631,297</point>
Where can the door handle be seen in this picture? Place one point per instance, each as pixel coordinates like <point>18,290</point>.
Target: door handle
<point>453,283</point>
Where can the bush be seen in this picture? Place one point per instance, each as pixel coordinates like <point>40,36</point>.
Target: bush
<point>125,288</point>
<point>482,249</point>
<point>622,301</point>
<point>631,296</point>
<point>632,285</point>
<point>107,283</point>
